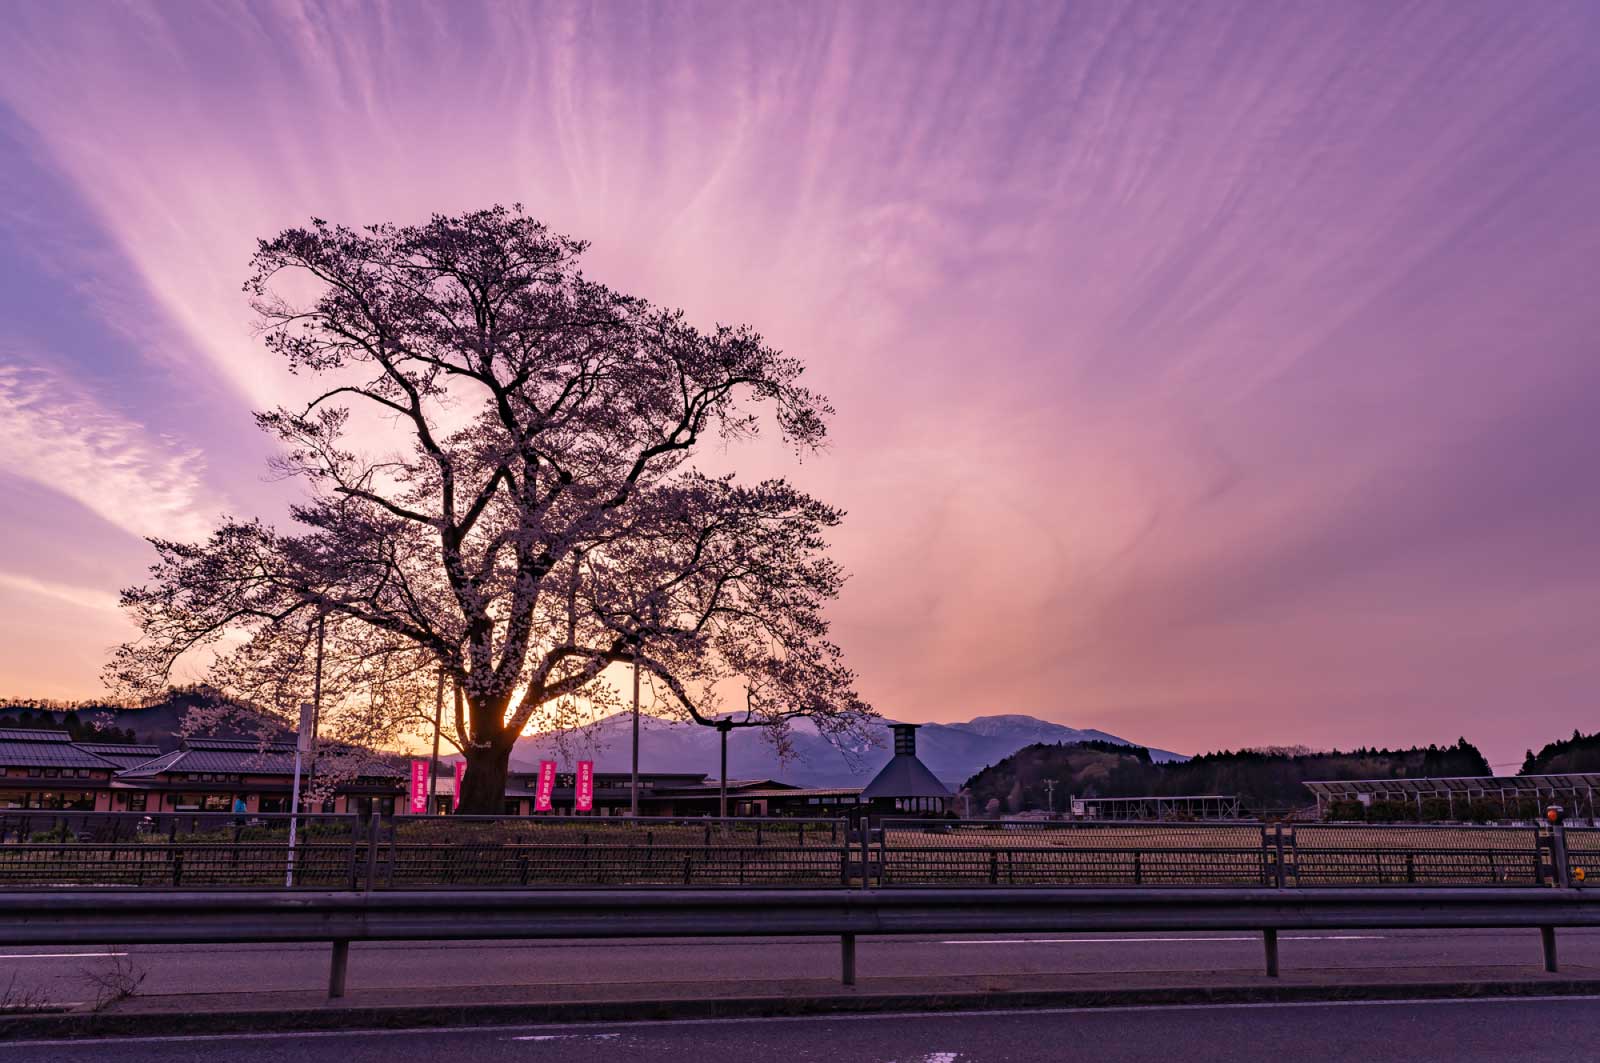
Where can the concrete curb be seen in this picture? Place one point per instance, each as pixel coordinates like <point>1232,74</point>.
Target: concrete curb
<point>200,1023</point>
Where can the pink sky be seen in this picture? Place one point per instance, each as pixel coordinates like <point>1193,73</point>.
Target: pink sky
<point>1213,375</point>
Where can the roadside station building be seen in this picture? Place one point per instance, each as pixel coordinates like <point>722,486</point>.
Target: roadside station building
<point>206,774</point>
<point>905,784</point>
<point>46,770</point>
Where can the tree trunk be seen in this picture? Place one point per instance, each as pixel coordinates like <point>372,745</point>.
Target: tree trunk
<point>483,788</point>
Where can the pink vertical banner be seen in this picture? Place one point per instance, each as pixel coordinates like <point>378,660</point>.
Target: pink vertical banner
<point>584,788</point>
<point>419,787</point>
<point>547,786</point>
<point>461,771</point>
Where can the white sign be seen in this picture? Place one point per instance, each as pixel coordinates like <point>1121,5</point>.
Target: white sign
<point>308,724</point>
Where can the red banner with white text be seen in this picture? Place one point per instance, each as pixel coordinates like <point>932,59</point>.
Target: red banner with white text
<point>461,771</point>
<point>419,787</point>
<point>547,786</point>
<point>584,793</point>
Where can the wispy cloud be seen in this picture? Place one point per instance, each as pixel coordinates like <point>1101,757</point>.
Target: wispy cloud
<point>82,597</point>
<point>64,440</point>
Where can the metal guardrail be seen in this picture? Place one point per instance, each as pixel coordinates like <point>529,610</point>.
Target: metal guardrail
<point>226,851</point>
<point>155,917</point>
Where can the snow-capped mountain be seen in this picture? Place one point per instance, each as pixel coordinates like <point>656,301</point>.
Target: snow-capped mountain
<point>953,751</point>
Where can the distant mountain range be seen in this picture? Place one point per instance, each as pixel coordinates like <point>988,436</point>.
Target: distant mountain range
<point>953,751</point>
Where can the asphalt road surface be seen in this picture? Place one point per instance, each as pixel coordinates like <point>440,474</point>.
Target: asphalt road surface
<point>60,973</point>
<point>1481,1031</point>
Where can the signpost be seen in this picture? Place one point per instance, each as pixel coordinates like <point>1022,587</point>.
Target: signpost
<point>547,786</point>
<point>583,788</point>
<point>419,787</point>
<point>302,747</point>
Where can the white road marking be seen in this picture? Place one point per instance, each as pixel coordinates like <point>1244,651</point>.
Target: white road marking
<point>567,1037</point>
<point>57,955</point>
<point>1187,940</point>
<point>886,1016</point>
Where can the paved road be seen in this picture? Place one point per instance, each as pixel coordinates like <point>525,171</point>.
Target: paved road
<point>1485,1031</point>
<point>60,973</point>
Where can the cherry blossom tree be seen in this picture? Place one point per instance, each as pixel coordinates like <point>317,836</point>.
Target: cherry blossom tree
<point>502,503</point>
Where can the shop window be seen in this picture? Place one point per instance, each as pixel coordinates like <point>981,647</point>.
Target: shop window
<point>271,805</point>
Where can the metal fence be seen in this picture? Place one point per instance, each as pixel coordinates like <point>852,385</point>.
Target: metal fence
<point>1031,853</point>
<point>904,853</point>
<point>198,851</point>
<point>1343,855</point>
<point>345,852</point>
<point>424,852</point>
<point>1583,856</point>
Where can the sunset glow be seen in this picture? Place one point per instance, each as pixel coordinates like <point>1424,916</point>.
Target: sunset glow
<point>1214,376</point>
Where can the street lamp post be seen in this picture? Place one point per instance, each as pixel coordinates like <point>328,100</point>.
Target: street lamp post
<point>633,804</point>
<point>723,727</point>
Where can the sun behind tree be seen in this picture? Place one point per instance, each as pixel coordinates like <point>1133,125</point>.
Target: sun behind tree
<point>523,516</point>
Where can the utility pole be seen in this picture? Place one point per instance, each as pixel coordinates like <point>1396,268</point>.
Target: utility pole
<point>1050,792</point>
<point>633,804</point>
<point>433,765</point>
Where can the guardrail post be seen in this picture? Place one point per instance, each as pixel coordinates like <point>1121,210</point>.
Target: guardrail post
<point>847,958</point>
<point>1547,938</point>
<point>336,969</point>
<point>1270,939</point>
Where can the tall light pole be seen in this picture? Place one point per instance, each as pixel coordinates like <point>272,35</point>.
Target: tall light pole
<point>723,726</point>
<point>433,765</point>
<point>633,804</point>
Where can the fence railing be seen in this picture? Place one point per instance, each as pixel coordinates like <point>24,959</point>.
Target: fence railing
<point>227,851</point>
<point>908,853</point>
<point>195,851</point>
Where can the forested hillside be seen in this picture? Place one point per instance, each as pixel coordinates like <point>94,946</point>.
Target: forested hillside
<point>1264,779</point>
<point>1581,752</point>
